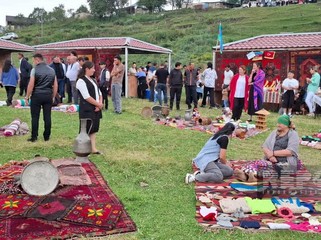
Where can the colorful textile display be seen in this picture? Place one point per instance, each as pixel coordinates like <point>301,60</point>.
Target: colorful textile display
<point>313,141</point>
<point>71,173</point>
<point>69,212</point>
<point>302,184</point>
<point>292,203</point>
<point>249,129</point>
<point>12,128</point>
<point>101,214</point>
<point>16,127</point>
<point>15,205</point>
<point>50,208</point>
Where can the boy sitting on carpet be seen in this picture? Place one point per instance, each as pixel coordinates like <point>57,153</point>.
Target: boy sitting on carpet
<point>211,160</point>
<point>280,149</point>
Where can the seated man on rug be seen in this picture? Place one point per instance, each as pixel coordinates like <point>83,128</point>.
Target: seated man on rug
<point>211,160</point>
<point>280,149</point>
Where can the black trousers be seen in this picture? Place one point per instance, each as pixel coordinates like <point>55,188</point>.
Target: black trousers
<point>104,93</point>
<point>191,94</point>
<point>23,85</point>
<point>141,88</point>
<point>237,108</point>
<point>68,90</point>
<point>175,91</point>
<point>152,91</point>
<point>39,101</point>
<point>10,90</point>
<point>211,92</point>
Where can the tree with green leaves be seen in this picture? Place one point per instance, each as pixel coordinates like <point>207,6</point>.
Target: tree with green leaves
<point>58,13</point>
<point>152,5</point>
<point>176,4</point>
<point>106,8</point>
<point>38,15</point>
<point>82,9</point>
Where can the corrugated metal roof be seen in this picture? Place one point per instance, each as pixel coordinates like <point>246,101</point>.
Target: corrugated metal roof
<point>101,43</point>
<point>277,42</point>
<point>13,46</point>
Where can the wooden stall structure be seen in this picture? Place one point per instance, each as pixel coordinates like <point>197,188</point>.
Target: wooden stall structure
<point>104,49</point>
<point>278,53</point>
<point>8,47</point>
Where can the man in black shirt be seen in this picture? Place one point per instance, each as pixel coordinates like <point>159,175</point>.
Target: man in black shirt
<point>60,74</point>
<point>42,89</point>
<point>162,76</point>
<point>190,85</point>
<point>175,83</point>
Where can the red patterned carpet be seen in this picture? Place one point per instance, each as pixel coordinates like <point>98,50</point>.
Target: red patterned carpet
<point>69,212</point>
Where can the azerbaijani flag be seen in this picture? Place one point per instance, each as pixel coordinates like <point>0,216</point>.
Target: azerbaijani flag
<point>220,37</point>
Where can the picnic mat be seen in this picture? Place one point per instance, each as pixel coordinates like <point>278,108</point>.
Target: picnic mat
<point>71,211</point>
<point>210,129</point>
<point>303,185</point>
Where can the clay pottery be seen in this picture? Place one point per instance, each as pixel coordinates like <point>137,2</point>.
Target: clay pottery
<point>82,143</point>
<point>188,114</point>
<point>157,110</point>
<point>204,121</point>
<point>165,111</point>
<point>147,112</point>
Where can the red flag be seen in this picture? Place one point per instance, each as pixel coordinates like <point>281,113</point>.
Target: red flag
<point>269,54</point>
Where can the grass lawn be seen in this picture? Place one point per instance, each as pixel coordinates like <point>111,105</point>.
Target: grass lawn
<point>137,150</point>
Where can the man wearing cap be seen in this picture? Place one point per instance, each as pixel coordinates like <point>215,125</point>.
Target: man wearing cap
<point>117,75</point>
<point>104,83</point>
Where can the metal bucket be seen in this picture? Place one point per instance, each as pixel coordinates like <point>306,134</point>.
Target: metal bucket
<point>39,178</point>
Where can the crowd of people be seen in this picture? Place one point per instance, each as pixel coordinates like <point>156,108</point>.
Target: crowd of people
<point>44,85</point>
<point>69,80</point>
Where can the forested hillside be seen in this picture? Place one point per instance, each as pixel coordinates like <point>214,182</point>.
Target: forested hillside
<point>189,33</point>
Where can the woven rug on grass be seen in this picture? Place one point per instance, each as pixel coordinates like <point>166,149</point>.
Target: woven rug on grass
<point>209,129</point>
<point>302,185</point>
<point>76,211</point>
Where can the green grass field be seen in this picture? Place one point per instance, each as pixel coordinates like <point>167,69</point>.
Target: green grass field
<point>137,150</point>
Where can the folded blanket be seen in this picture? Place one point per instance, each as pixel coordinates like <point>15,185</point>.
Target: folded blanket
<point>229,205</point>
<point>12,128</point>
<point>279,226</point>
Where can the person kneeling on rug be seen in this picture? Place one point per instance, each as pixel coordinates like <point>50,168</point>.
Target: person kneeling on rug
<point>211,160</point>
<point>280,151</point>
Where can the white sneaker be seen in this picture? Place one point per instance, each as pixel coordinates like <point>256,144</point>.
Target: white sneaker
<point>189,178</point>
<point>196,172</point>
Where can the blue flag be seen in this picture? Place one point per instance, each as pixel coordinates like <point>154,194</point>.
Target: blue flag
<point>220,37</point>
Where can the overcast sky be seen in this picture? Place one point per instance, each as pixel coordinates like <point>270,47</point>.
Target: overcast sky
<point>14,7</point>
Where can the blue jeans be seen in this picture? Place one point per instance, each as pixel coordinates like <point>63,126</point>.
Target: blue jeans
<point>116,90</point>
<point>226,103</point>
<point>61,87</point>
<point>161,87</point>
